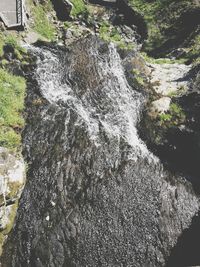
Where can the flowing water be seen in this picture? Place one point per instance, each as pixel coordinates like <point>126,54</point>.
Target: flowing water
<point>108,99</point>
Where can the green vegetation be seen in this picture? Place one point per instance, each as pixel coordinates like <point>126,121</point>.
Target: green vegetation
<point>174,116</point>
<point>138,77</point>
<point>110,34</point>
<point>165,117</point>
<point>11,39</point>
<point>162,60</point>
<point>12,93</point>
<point>79,8</point>
<point>42,23</point>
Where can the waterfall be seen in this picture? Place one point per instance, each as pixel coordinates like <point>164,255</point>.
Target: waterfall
<point>109,100</point>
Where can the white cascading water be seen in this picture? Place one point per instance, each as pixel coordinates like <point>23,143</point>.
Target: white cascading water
<point>123,104</point>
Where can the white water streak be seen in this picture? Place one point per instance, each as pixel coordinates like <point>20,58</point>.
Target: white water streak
<point>122,104</point>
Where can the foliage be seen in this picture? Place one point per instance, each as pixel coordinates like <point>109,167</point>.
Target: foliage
<point>11,39</point>
<point>174,116</point>
<point>79,8</point>
<point>165,117</point>
<point>42,23</point>
<point>12,93</point>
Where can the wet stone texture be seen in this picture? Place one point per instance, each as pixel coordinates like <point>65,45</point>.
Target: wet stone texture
<point>95,195</point>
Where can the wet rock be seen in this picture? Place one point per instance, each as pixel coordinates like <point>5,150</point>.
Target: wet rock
<point>178,142</point>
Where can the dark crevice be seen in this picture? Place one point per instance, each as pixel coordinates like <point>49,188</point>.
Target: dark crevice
<point>62,9</point>
<point>187,250</point>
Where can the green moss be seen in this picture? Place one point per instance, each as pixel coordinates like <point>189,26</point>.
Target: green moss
<point>6,231</point>
<point>12,93</point>
<point>79,8</point>
<point>9,138</point>
<point>175,109</point>
<point>42,23</point>
<point>165,117</point>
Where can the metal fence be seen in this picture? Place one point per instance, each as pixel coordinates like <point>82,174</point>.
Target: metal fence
<point>19,12</point>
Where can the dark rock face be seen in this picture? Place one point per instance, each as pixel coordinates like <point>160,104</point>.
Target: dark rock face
<point>180,25</point>
<point>131,17</point>
<point>62,8</point>
<point>95,196</point>
<point>180,145</point>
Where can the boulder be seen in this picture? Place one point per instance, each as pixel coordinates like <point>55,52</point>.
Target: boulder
<point>12,178</point>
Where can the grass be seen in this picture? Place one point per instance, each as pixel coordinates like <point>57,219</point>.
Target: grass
<point>162,60</point>
<point>42,23</point>
<point>12,94</point>
<point>11,39</point>
<point>79,8</point>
